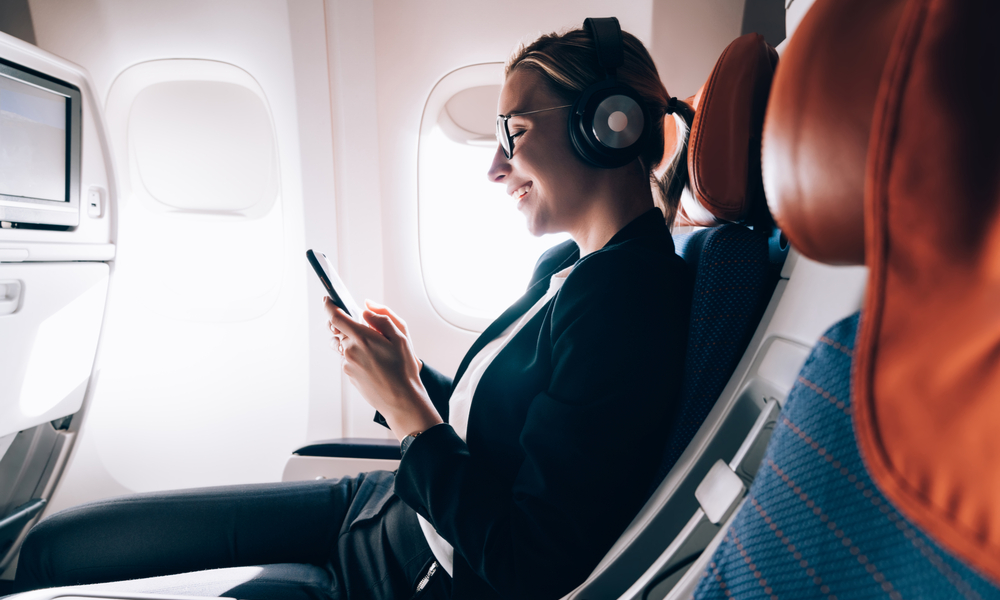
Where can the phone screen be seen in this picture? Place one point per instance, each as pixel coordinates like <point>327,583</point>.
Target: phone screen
<point>335,288</point>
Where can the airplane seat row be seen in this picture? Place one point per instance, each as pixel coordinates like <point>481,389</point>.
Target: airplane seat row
<point>878,480</point>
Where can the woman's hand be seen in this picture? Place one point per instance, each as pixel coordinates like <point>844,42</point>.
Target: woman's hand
<point>380,362</point>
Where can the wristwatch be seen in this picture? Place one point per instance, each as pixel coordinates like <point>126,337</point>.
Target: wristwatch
<point>403,445</point>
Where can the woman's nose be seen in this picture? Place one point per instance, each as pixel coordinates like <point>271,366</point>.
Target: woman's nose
<point>500,167</point>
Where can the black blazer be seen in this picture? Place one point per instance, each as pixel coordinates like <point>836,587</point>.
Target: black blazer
<point>567,425</point>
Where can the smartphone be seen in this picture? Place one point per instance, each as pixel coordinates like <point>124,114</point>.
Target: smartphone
<point>335,288</point>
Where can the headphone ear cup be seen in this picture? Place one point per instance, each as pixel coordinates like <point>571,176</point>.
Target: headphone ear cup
<point>608,125</point>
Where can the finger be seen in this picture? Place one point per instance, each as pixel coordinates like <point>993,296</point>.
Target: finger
<point>351,354</point>
<point>385,310</point>
<point>382,324</point>
<point>341,321</point>
<point>336,341</point>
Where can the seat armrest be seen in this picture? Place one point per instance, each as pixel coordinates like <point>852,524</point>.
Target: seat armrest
<point>372,448</point>
<point>88,593</point>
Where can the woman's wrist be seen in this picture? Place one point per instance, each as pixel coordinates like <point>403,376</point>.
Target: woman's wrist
<point>418,416</point>
<point>415,427</point>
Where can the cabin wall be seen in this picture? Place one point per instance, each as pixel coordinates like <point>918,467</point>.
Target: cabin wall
<point>688,38</point>
<point>15,20</point>
<point>350,31</point>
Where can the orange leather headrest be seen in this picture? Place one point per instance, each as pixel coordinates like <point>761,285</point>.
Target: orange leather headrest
<point>818,124</point>
<point>724,146</point>
<point>868,156</point>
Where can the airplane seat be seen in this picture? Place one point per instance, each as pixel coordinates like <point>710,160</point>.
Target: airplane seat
<point>58,211</point>
<point>731,261</point>
<point>878,480</point>
<point>724,144</point>
<point>734,279</point>
<point>732,286</point>
<point>815,524</point>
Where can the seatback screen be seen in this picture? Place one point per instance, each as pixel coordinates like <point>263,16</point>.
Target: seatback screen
<point>33,157</point>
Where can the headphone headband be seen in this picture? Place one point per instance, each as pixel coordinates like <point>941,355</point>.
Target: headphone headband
<point>607,34</point>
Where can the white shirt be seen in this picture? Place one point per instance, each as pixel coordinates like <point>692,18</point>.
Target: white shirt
<point>461,402</point>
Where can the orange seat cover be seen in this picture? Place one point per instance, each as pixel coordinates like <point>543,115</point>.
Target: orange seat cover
<point>724,145</point>
<point>925,77</point>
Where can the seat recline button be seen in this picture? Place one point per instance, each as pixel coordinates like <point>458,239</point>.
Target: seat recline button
<point>719,492</point>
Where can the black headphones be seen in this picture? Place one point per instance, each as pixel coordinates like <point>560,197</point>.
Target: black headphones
<point>609,123</point>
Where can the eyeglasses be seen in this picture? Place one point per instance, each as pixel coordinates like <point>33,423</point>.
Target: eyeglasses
<point>503,133</point>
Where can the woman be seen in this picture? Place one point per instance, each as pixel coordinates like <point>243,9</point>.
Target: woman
<point>571,382</point>
<point>526,468</point>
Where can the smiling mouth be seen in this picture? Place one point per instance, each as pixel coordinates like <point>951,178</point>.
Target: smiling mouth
<point>521,192</point>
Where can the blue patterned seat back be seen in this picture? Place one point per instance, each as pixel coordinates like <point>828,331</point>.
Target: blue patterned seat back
<point>732,285</point>
<point>814,525</point>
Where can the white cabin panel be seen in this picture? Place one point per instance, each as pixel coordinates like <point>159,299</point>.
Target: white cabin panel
<point>50,321</point>
<point>688,37</point>
<point>350,38</point>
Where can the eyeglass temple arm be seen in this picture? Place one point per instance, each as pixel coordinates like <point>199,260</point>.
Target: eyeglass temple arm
<point>531,112</point>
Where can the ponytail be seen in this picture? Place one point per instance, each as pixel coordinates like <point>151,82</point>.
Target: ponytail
<point>674,179</point>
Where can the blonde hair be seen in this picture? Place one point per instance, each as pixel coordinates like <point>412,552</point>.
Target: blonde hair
<point>570,63</point>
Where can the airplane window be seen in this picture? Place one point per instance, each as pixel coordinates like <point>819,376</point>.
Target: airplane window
<point>203,177</point>
<point>475,251</point>
<point>216,135</point>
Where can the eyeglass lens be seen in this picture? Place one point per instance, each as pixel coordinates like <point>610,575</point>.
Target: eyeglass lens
<point>503,137</point>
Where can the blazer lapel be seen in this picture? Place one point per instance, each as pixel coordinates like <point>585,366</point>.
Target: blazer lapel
<point>502,322</point>
<point>530,297</point>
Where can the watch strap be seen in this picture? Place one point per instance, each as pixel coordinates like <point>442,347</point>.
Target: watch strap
<point>406,442</point>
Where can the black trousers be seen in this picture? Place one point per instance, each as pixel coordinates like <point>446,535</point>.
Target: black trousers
<point>349,538</point>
